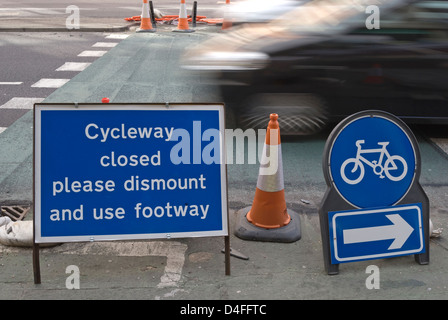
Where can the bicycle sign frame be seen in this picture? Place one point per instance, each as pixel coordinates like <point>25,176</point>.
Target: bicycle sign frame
<point>389,193</point>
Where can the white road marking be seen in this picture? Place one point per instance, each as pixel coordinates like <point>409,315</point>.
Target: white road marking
<point>21,103</point>
<point>92,53</point>
<point>73,66</point>
<point>11,83</point>
<point>50,83</point>
<point>105,44</point>
<point>28,103</point>
<point>117,36</point>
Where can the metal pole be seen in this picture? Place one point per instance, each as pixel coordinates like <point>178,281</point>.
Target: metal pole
<point>194,14</point>
<point>36,263</point>
<point>153,18</point>
<point>227,254</point>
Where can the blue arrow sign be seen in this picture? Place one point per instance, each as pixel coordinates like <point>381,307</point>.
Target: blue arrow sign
<point>376,233</point>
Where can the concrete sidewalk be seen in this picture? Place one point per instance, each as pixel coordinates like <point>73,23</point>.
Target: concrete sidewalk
<point>143,68</point>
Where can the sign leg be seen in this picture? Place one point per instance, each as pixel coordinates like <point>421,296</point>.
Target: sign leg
<point>417,194</point>
<point>423,258</point>
<point>36,263</point>
<point>227,254</point>
<point>330,268</point>
<point>324,227</point>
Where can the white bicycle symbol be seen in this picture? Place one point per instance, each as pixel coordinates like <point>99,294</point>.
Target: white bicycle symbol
<point>390,169</point>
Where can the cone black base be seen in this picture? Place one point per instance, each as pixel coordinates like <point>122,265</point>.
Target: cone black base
<point>247,231</point>
<point>183,31</point>
<point>145,30</point>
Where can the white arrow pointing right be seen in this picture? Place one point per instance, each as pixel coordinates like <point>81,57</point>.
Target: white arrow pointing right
<point>400,231</point>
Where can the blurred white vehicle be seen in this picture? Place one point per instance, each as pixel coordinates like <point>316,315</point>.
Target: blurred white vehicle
<point>256,11</point>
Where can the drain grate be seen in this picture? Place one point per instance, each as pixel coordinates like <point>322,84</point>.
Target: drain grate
<point>14,212</point>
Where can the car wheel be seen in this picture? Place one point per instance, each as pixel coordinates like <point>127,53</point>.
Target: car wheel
<point>299,114</point>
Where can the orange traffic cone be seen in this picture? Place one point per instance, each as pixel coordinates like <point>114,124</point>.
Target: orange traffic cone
<point>182,25</point>
<point>145,24</point>
<point>269,205</point>
<point>226,23</point>
<point>268,219</point>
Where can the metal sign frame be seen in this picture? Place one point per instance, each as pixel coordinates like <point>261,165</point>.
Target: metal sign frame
<point>221,221</point>
<point>333,200</point>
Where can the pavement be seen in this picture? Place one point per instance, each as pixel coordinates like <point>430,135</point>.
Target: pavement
<point>143,68</point>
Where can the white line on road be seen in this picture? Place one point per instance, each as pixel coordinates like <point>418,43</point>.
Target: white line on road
<point>117,36</point>
<point>50,83</point>
<point>92,53</point>
<point>21,103</point>
<point>11,83</point>
<point>73,66</point>
<point>105,44</point>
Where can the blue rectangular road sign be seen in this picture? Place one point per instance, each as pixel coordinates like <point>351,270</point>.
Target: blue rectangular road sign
<point>376,233</point>
<point>117,171</point>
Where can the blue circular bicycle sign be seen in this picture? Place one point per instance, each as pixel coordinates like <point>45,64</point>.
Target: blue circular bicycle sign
<point>371,159</point>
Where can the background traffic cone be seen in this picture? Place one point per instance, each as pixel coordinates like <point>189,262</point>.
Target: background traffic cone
<point>226,21</point>
<point>182,25</point>
<point>145,24</point>
<point>375,75</point>
<point>268,219</point>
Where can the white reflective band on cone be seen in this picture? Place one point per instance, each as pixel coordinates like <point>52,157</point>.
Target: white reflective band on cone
<point>270,176</point>
<point>183,11</point>
<point>145,10</point>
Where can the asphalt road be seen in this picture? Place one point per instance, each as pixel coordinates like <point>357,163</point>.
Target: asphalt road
<point>27,58</point>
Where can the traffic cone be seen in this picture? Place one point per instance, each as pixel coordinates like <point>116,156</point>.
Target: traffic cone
<point>375,75</point>
<point>268,219</point>
<point>145,24</point>
<point>182,25</point>
<point>226,22</point>
<point>269,205</point>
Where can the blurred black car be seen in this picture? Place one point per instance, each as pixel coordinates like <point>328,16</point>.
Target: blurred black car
<point>328,59</point>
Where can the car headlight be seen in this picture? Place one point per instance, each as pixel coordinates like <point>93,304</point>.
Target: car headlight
<point>230,61</point>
